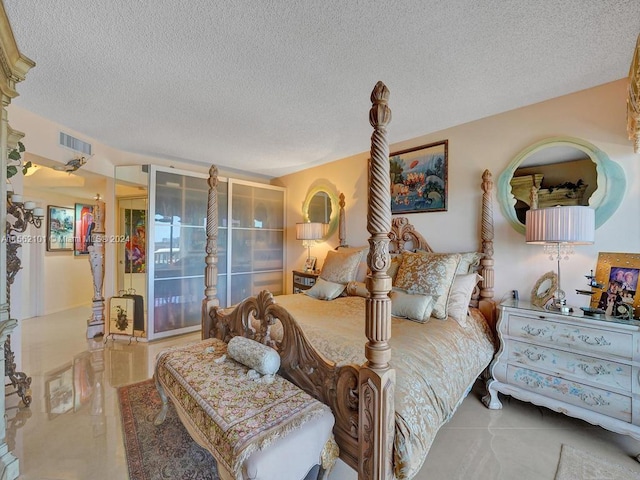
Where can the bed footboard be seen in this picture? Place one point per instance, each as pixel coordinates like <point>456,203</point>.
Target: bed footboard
<point>300,363</point>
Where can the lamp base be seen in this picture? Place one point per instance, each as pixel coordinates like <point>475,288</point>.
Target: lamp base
<point>558,305</point>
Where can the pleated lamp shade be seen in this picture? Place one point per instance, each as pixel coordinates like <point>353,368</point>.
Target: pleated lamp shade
<point>568,224</point>
<point>311,230</point>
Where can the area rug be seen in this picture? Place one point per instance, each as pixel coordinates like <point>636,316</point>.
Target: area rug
<point>163,452</point>
<point>577,464</point>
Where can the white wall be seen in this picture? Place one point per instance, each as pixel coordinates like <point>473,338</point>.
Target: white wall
<point>597,115</point>
<point>65,279</point>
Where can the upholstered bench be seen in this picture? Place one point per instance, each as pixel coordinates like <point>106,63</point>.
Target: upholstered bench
<point>256,427</point>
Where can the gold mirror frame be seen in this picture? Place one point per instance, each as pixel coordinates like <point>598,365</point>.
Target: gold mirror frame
<point>540,299</point>
<point>335,208</point>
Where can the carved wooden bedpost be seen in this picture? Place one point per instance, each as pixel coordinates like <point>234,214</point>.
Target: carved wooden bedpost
<point>211,260</point>
<point>342,229</point>
<point>486,264</point>
<point>376,378</point>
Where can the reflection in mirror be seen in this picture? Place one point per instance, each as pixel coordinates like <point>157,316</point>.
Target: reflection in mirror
<point>560,171</point>
<point>561,175</point>
<point>321,205</point>
<point>320,208</point>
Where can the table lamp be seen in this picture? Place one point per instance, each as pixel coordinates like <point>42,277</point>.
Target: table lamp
<point>308,232</point>
<point>558,229</point>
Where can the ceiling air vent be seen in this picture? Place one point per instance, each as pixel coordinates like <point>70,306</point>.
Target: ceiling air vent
<point>75,144</point>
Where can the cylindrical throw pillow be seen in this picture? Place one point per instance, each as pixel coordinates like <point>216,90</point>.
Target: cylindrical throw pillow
<point>254,355</point>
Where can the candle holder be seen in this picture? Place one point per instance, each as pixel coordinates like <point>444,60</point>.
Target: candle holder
<point>20,216</point>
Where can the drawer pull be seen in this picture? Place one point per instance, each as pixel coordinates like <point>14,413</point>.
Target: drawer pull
<point>534,356</point>
<point>597,341</point>
<point>593,371</point>
<point>592,400</point>
<point>535,332</point>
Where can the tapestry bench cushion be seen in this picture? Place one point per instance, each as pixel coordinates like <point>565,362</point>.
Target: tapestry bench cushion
<point>243,421</point>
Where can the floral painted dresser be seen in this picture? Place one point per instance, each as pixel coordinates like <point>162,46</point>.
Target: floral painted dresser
<point>581,366</point>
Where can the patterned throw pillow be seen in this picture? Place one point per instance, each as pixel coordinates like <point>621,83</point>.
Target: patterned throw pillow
<point>341,267</point>
<point>429,274</point>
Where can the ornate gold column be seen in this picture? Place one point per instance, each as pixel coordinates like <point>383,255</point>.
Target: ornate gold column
<point>13,69</point>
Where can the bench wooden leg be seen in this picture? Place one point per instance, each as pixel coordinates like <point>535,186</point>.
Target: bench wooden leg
<point>165,404</point>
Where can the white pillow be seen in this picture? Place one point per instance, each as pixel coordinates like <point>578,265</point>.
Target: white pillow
<point>416,307</point>
<point>460,296</point>
<point>254,355</point>
<point>325,290</point>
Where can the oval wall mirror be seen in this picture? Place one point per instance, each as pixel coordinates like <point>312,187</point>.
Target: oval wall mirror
<point>565,171</point>
<point>321,205</point>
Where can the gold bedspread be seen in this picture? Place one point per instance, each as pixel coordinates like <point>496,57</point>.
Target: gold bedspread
<point>436,363</point>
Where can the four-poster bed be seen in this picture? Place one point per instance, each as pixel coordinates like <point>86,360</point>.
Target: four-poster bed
<point>369,429</point>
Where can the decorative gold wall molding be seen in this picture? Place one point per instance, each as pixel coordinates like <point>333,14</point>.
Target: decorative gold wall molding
<point>633,102</point>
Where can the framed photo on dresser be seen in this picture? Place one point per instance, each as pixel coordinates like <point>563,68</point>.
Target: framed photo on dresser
<point>619,275</point>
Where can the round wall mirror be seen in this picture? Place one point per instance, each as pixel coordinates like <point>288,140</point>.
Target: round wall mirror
<point>564,171</point>
<point>321,205</point>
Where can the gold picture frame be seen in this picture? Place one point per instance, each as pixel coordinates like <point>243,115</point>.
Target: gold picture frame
<point>544,289</point>
<point>619,275</point>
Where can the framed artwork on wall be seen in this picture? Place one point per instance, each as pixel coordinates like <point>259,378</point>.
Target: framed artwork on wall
<point>618,273</point>
<point>135,225</point>
<point>60,222</point>
<point>83,228</point>
<point>419,179</point>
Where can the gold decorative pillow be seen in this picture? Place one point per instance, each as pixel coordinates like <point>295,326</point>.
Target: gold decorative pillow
<point>392,271</point>
<point>468,261</point>
<point>341,267</point>
<point>429,274</point>
<point>362,270</point>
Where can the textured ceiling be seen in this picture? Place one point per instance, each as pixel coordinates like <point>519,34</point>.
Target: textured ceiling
<point>274,87</point>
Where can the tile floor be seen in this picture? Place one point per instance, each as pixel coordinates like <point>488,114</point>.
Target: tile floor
<point>76,434</point>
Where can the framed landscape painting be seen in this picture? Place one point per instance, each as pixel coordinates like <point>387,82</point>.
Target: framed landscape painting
<point>419,179</point>
<point>60,222</point>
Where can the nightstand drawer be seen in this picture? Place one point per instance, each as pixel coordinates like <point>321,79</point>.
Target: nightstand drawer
<point>585,339</point>
<point>607,403</point>
<point>589,369</point>
<point>306,281</point>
